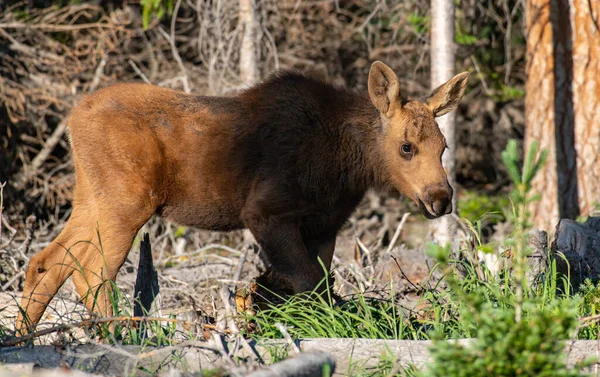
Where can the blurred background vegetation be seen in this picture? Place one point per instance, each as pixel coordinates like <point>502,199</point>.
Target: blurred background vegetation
<point>54,51</point>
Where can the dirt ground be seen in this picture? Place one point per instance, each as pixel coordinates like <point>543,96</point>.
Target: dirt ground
<point>193,265</point>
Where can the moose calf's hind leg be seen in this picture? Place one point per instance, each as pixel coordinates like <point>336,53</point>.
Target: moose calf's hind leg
<point>94,281</point>
<point>48,270</point>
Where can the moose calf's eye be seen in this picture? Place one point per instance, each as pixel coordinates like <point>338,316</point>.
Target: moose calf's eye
<point>406,150</point>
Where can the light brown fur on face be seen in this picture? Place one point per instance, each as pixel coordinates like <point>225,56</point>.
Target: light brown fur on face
<point>419,174</point>
<point>414,124</point>
<point>289,159</point>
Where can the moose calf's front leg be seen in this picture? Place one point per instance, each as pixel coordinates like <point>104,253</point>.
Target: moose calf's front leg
<point>292,266</point>
<point>321,247</point>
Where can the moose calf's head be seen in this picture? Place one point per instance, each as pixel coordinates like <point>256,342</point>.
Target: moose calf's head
<point>411,141</point>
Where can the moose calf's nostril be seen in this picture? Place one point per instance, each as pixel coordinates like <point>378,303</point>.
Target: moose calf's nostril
<point>438,206</point>
<point>449,208</point>
<point>441,206</point>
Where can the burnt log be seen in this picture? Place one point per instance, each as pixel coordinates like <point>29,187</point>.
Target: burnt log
<point>146,283</point>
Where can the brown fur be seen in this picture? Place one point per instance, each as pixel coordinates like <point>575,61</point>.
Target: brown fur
<point>290,159</point>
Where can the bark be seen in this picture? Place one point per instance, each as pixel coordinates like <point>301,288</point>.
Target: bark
<point>562,104</point>
<point>564,137</point>
<point>586,99</point>
<point>539,108</point>
<point>248,50</point>
<point>442,70</point>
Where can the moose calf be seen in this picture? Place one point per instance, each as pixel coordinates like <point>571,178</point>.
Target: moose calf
<point>289,159</point>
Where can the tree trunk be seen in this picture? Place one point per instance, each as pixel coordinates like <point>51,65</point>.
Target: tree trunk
<point>586,99</point>
<point>562,104</point>
<point>539,109</point>
<point>442,70</point>
<point>249,72</point>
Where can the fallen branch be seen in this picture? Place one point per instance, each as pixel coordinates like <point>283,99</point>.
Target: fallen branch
<point>12,280</point>
<point>2,184</point>
<point>13,232</point>
<point>308,364</point>
<point>347,353</point>
<point>55,28</point>
<point>29,171</point>
<point>230,310</point>
<point>171,39</point>
<point>397,233</point>
<point>96,321</point>
<point>287,337</point>
<point>29,229</point>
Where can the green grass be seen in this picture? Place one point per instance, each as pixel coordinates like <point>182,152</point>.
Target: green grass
<point>386,366</point>
<point>474,206</point>
<point>358,316</point>
<point>146,334</point>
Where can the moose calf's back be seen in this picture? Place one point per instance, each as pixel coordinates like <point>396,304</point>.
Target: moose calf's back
<point>175,152</point>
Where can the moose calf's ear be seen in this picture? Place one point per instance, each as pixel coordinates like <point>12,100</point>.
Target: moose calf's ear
<point>446,97</point>
<point>384,88</point>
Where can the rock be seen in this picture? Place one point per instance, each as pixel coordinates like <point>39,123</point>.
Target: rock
<point>594,223</point>
<point>576,249</point>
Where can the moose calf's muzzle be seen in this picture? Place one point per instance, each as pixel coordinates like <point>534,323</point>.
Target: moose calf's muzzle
<point>436,201</point>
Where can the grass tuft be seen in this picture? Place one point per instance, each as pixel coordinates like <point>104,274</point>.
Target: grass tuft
<point>313,316</point>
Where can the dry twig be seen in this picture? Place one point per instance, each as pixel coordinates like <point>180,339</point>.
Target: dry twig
<point>96,321</point>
